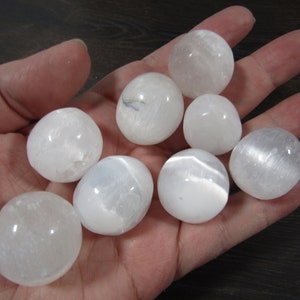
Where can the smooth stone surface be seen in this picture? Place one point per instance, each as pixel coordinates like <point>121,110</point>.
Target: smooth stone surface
<point>64,144</point>
<point>193,186</point>
<point>201,62</point>
<point>150,109</point>
<point>212,123</point>
<point>40,238</point>
<point>266,163</point>
<point>114,195</point>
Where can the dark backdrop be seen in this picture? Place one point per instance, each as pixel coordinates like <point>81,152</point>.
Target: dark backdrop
<point>267,266</point>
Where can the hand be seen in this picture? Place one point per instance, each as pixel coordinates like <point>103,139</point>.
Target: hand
<point>144,261</point>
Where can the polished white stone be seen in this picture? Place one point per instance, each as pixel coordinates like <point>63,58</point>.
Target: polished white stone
<point>40,238</point>
<point>212,123</point>
<point>64,144</point>
<point>201,62</point>
<point>266,163</point>
<point>193,186</point>
<point>114,195</point>
<point>150,109</point>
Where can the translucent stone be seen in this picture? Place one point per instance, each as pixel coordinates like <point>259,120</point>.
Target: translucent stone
<point>193,186</point>
<point>201,62</point>
<point>40,238</point>
<point>114,195</point>
<point>212,123</point>
<point>266,163</point>
<point>150,109</point>
<point>64,144</point>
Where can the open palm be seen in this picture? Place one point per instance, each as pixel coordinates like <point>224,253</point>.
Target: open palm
<point>142,262</point>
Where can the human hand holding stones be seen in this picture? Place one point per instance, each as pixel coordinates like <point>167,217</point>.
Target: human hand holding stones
<point>159,241</point>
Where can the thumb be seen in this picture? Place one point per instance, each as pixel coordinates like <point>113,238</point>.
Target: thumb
<point>31,87</point>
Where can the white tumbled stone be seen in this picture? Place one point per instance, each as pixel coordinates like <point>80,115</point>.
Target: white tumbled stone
<point>193,186</point>
<point>64,144</point>
<point>114,195</point>
<point>150,109</point>
<point>201,62</point>
<point>266,163</point>
<point>40,238</point>
<point>212,123</point>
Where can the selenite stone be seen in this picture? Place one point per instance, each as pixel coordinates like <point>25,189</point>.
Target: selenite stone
<point>201,62</point>
<point>150,109</point>
<point>212,123</point>
<point>40,238</point>
<point>64,144</point>
<point>114,195</point>
<point>266,163</point>
<point>193,186</point>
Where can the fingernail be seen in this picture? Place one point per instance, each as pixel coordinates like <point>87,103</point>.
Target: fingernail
<point>81,42</point>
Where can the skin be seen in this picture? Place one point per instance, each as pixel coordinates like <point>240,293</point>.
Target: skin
<point>144,261</point>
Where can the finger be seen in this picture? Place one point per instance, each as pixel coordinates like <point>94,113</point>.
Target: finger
<point>31,87</point>
<point>285,115</point>
<point>257,75</point>
<point>232,23</point>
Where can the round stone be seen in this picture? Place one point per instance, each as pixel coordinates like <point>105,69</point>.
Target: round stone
<point>114,195</point>
<point>266,163</point>
<point>40,238</point>
<point>212,123</point>
<point>150,109</point>
<point>193,186</point>
<point>201,62</point>
<point>64,144</point>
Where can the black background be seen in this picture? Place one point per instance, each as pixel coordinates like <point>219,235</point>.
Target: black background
<point>266,266</point>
